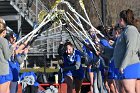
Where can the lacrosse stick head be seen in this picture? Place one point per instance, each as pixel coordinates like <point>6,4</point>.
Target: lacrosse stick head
<point>42,15</point>
<point>56,15</point>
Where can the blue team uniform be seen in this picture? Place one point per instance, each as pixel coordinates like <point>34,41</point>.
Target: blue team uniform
<point>132,71</point>
<point>70,61</point>
<point>5,78</point>
<point>105,43</point>
<point>15,68</point>
<point>114,72</point>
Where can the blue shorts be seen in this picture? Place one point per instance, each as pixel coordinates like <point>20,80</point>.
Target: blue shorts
<point>5,78</point>
<point>79,74</point>
<point>132,71</point>
<point>113,72</point>
<point>90,70</point>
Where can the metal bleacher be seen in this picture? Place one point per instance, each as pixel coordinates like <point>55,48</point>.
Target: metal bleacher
<point>22,15</point>
<point>46,43</point>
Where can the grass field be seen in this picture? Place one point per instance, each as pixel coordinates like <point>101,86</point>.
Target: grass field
<point>48,70</point>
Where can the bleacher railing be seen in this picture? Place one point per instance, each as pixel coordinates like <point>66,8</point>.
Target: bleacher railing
<point>47,44</point>
<point>28,10</point>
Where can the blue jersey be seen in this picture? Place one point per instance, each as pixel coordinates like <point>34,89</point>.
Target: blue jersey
<point>89,55</point>
<point>70,61</point>
<point>105,43</point>
<point>15,68</point>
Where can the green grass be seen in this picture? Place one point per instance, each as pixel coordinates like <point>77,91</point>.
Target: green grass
<point>48,70</point>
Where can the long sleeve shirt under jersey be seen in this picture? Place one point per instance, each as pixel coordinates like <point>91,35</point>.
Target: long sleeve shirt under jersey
<point>5,54</point>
